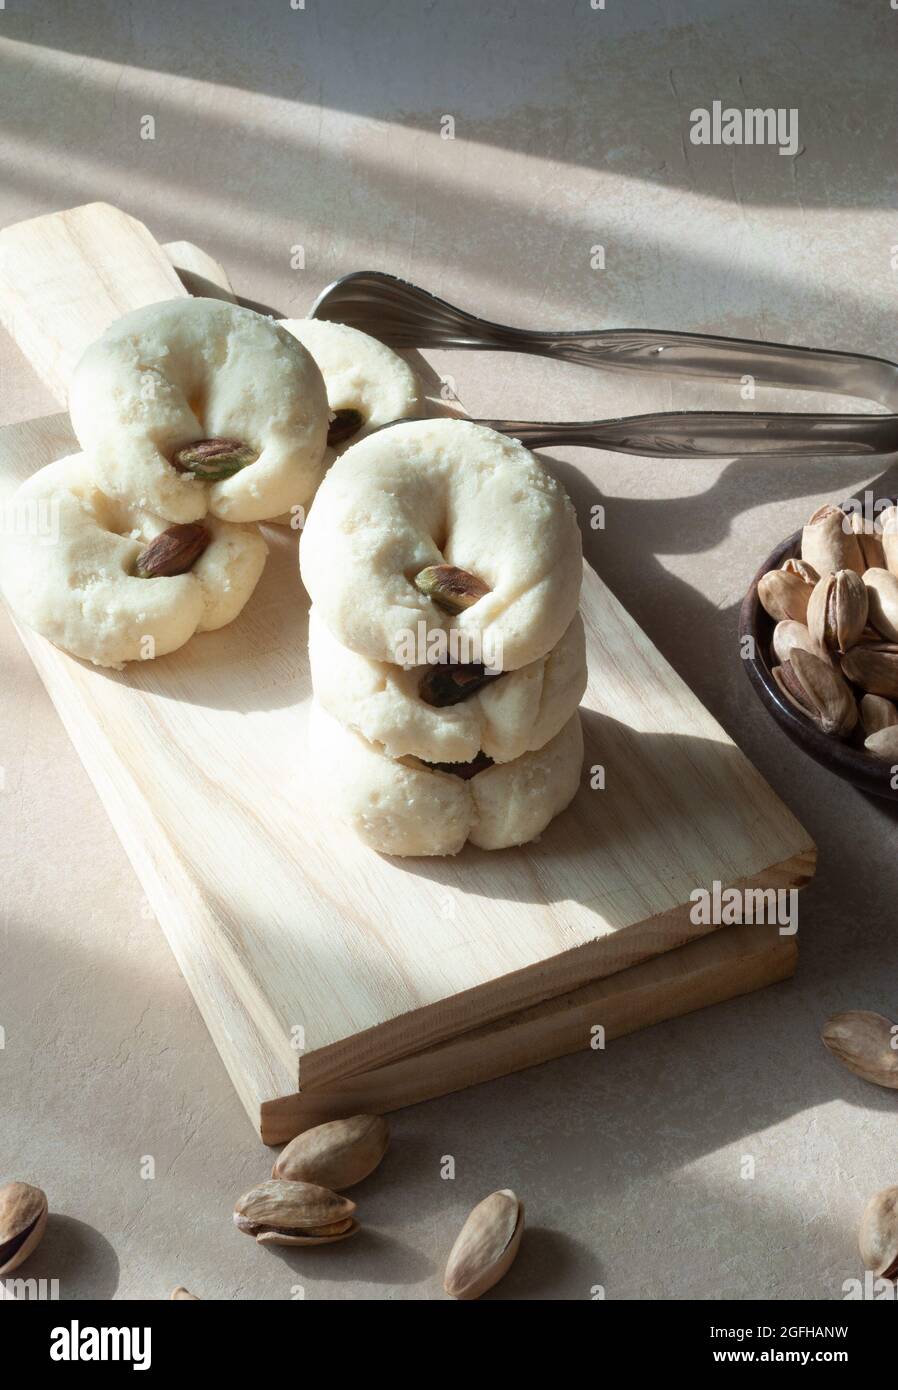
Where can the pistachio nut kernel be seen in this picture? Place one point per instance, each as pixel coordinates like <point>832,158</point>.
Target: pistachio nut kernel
<point>174,551</point>
<point>450,685</point>
<point>450,588</point>
<point>212,460</point>
<point>344,424</point>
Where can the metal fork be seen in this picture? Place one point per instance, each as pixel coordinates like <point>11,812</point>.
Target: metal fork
<point>405,316</point>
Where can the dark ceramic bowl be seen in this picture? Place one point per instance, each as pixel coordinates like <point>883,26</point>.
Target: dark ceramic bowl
<point>845,757</point>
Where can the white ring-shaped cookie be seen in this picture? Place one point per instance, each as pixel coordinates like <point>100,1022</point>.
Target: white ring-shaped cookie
<point>406,808</point>
<point>360,373</point>
<point>67,570</point>
<point>514,714</point>
<point>189,369</point>
<point>442,491</point>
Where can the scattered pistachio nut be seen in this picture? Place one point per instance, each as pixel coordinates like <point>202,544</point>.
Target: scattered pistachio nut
<point>788,634</point>
<point>326,1235</point>
<point>449,685</point>
<point>837,610</point>
<point>864,1042</point>
<point>23,1220</point>
<point>181,1293</point>
<point>829,544</point>
<point>878,1239</point>
<point>174,551</point>
<point>869,539</point>
<point>212,460</point>
<point>785,594</point>
<point>817,690</point>
<point>486,1246</point>
<point>874,667</point>
<point>450,588</point>
<point>882,594</point>
<point>877,713</point>
<point>278,1212</point>
<point>335,1155</point>
<point>344,425</point>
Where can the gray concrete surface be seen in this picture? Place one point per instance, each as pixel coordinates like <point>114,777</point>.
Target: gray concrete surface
<point>320,127</point>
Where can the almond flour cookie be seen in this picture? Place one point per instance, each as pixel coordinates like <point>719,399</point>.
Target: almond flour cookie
<point>408,808</point>
<point>368,385</point>
<point>70,567</point>
<point>436,493</point>
<point>425,712</point>
<point>187,371</point>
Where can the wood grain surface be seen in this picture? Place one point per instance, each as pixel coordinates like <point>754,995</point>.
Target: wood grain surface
<point>311,958</point>
<point>702,973</point>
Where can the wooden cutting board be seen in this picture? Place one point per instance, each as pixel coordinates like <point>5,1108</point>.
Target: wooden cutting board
<point>312,959</point>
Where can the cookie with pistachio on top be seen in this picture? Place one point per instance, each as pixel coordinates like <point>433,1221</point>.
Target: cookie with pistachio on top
<point>443,527</point>
<point>197,406</point>
<point>111,582</point>
<point>368,384</point>
<point>408,807</point>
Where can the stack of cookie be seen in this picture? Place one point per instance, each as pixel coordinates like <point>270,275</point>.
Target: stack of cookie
<point>447,653</point>
<point>197,418</point>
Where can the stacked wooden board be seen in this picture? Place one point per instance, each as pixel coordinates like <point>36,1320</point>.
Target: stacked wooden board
<point>330,978</point>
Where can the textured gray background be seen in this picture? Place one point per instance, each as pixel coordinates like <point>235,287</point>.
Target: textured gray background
<point>320,127</point>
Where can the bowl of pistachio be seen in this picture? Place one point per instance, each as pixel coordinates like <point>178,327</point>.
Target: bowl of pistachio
<point>819,635</point>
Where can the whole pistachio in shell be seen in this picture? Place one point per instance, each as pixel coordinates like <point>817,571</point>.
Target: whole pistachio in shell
<point>789,634</point>
<point>883,744</point>
<point>181,1295</point>
<point>888,526</point>
<point>345,423</point>
<point>878,1239</point>
<point>829,544</point>
<point>877,713</point>
<point>874,667</point>
<point>817,690</point>
<point>864,1042</point>
<point>882,596</point>
<point>288,1213</point>
<point>486,1246</point>
<point>23,1220</point>
<point>837,610</point>
<point>337,1154</point>
<point>795,565</point>
<point>325,1235</point>
<point>784,595</point>
<point>869,539</point>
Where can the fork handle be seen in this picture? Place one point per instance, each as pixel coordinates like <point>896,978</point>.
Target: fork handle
<point>405,316</point>
<point>715,434</point>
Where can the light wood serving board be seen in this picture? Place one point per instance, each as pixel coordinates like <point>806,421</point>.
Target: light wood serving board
<point>313,960</point>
